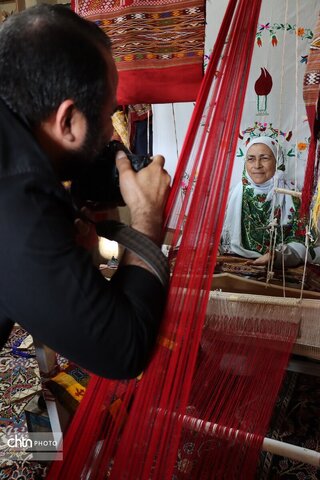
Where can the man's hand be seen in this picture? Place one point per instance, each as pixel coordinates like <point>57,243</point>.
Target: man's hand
<point>145,193</point>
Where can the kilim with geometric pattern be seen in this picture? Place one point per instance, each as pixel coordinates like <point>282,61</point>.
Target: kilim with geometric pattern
<point>311,90</point>
<point>311,83</point>
<point>312,78</point>
<point>157,45</point>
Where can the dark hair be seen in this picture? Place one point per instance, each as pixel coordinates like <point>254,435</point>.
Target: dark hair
<point>48,54</point>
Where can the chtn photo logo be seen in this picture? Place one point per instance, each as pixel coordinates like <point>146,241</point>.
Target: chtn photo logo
<point>45,446</point>
<point>23,442</point>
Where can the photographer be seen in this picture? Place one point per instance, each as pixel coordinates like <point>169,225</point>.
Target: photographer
<point>57,93</point>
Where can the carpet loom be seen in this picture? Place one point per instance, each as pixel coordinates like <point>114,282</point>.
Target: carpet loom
<point>214,377</point>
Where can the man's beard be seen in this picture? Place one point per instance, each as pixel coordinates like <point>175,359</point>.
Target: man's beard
<point>77,161</point>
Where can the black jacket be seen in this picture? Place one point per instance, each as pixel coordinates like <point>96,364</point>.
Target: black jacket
<point>49,285</point>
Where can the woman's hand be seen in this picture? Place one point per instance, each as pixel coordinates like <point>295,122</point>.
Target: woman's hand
<point>261,261</point>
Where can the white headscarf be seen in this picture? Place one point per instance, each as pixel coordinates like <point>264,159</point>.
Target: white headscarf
<point>272,144</point>
<point>231,235</point>
<point>278,180</point>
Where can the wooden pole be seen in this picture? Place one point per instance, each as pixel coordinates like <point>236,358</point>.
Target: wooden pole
<point>293,193</point>
<point>299,454</point>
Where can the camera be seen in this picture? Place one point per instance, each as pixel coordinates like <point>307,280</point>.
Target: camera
<point>98,185</point>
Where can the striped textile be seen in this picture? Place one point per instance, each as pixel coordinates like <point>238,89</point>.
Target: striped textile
<point>158,46</point>
<point>311,83</point>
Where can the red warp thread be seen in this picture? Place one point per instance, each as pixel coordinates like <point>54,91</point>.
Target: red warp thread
<point>208,393</point>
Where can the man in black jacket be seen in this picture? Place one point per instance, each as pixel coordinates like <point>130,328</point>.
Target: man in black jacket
<point>57,93</point>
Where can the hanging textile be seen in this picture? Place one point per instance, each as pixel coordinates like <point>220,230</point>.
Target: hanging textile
<point>121,127</point>
<point>140,120</point>
<point>311,83</point>
<point>311,90</point>
<point>157,46</point>
<point>144,428</point>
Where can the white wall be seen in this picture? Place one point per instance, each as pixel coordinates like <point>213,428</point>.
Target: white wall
<point>285,111</point>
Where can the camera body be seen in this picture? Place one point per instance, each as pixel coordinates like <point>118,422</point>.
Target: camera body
<point>98,185</point>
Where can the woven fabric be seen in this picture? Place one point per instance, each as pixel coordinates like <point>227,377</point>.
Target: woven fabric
<point>69,386</point>
<point>157,46</point>
<point>311,86</point>
<point>311,83</point>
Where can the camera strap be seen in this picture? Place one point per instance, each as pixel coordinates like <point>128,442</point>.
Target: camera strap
<point>137,243</point>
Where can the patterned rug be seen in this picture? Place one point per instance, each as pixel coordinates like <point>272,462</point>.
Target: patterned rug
<point>19,382</point>
<point>296,420</point>
<point>293,276</point>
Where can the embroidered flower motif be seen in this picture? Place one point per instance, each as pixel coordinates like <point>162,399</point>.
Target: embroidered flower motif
<point>300,31</point>
<point>274,28</point>
<point>184,187</point>
<point>274,41</point>
<point>185,182</point>
<point>302,146</point>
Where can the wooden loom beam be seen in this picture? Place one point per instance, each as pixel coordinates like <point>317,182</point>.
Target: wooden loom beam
<point>276,447</point>
<point>294,452</point>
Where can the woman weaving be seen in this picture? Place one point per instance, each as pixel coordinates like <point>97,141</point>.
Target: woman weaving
<point>255,209</point>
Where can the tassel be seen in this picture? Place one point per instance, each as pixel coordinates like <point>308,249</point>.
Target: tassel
<point>315,215</point>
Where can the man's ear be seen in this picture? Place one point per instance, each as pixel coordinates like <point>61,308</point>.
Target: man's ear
<point>69,125</point>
